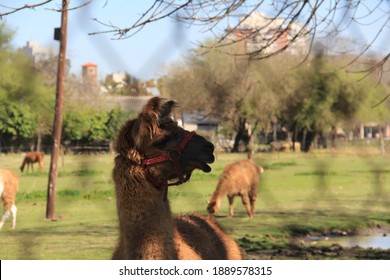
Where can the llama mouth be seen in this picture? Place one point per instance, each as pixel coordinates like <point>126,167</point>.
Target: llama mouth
<point>200,165</point>
<point>205,167</point>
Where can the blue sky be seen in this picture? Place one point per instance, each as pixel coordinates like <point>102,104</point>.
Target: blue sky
<point>142,55</point>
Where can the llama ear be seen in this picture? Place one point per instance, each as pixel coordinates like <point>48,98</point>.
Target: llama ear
<point>152,107</point>
<point>166,108</point>
<point>158,108</point>
<point>146,124</point>
<point>149,120</point>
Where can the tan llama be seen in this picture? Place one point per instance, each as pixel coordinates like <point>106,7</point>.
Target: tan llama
<point>9,184</point>
<point>240,178</point>
<point>30,159</point>
<point>152,151</point>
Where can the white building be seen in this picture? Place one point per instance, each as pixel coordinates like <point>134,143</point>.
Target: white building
<point>119,79</point>
<point>260,32</point>
<point>37,52</point>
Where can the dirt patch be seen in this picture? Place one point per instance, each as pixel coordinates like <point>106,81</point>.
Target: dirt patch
<point>335,252</point>
<point>299,249</point>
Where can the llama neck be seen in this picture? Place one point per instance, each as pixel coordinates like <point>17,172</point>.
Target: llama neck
<point>146,225</point>
<point>219,194</point>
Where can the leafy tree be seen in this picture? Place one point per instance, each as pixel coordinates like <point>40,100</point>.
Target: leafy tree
<point>91,126</point>
<point>115,119</point>
<point>17,124</point>
<point>23,93</point>
<point>233,89</point>
<point>5,38</point>
<point>322,100</point>
<point>74,126</point>
<point>309,100</point>
<point>134,86</point>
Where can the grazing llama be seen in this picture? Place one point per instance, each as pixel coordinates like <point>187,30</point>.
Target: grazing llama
<point>9,184</point>
<point>30,159</point>
<point>152,151</point>
<point>240,178</point>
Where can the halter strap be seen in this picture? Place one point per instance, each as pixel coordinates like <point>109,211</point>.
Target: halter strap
<point>173,156</point>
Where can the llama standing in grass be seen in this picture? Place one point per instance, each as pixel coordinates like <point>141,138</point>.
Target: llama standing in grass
<point>240,178</point>
<point>9,184</point>
<point>32,158</point>
<point>153,150</point>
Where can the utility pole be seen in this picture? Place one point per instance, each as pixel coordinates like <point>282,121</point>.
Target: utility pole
<point>57,126</point>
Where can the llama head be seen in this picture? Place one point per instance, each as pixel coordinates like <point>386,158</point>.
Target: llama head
<point>212,207</point>
<point>154,134</point>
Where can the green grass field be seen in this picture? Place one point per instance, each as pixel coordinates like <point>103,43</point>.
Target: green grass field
<point>298,194</point>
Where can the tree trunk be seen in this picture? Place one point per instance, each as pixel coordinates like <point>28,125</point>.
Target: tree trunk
<point>307,140</point>
<point>242,137</point>
<point>295,138</point>
<point>57,126</point>
<point>381,141</point>
<point>39,138</point>
<point>333,136</point>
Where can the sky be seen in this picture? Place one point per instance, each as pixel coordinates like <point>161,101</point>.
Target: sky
<point>144,55</point>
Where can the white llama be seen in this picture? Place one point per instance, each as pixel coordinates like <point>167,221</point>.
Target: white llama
<point>9,183</point>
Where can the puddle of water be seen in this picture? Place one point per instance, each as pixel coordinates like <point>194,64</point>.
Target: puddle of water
<point>377,240</point>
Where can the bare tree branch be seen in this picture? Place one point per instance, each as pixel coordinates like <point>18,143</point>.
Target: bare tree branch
<point>33,6</point>
<point>291,21</point>
<point>224,18</point>
<point>380,102</point>
<point>74,8</point>
<point>24,7</point>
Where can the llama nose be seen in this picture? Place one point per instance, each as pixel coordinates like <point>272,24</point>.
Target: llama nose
<point>209,149</point>
<point>209,145</point>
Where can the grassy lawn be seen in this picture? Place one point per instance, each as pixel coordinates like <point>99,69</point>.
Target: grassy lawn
<point>298,194</point>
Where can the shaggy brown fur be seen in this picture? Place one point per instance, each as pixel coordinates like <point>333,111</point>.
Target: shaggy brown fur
<point>240,178</point>
<point>147,227</point>
<point>32,158</point>
<point>9,184</point>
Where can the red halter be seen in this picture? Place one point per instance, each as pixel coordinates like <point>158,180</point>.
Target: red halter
<point>173,156</point>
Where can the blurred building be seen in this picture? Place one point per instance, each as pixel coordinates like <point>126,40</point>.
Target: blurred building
<point>197,121</point>
<point>118,79</point>
<point>38,53</point>
<point>259,32</point>
<point>89,72</point>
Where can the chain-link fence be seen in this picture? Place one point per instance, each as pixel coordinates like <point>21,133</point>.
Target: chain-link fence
<point>326,191</point>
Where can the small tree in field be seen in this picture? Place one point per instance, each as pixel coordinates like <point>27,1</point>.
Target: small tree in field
<point>322,100</point>
<point>25,99</point>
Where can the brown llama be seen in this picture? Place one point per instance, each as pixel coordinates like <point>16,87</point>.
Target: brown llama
<point>30,159</point>
<point>152,151</point>
<point>9,184</point>
<point>240,178</point>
